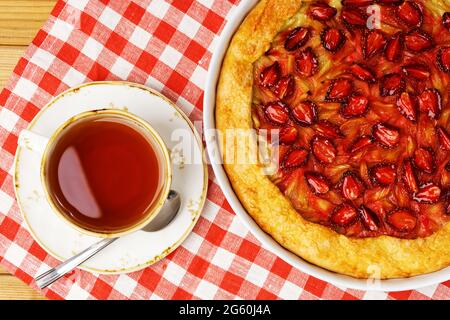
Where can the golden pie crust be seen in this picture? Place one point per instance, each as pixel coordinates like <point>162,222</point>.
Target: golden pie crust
<point>380,257</point>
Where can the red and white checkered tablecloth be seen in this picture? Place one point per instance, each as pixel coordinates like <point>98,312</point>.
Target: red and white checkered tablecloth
<point>166,45</point>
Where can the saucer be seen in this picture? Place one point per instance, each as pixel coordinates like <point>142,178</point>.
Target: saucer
<point>189,177</point>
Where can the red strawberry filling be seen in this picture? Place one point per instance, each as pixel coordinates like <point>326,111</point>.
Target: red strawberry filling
<point>288,135</point>
<point>321,11</point>
<point>270,75</point>
<point>351,186</point>
<point>409,176</point>
<point>277,113</point>
<point>361,116</point>
<point>295,158</point>
<point>430,103</point>
<point>402,220</point>
<point>339,90</point>
<point>363,73</point>
<point>354,17</point>
<point>443,59</point>
<point>428,193</point>
<point>424,159</point>
<point>361,143</point>
<point>394,47</point>
<point>323,149</point>
<point>383,174</point>
<point>407,105</point>
<point>409,12</point>
<point>305,113</point>
<point>357,3</point>
<point>386,135</point>
<point>317,182</point>
<point>391,84</point>
<point>307,63</point>
<point>418,41</point>
<point>446,20</point>
<point>328,129</point>
<point>374,42</point>
<point>332,39</point>
<point>416,71</point>
<point>444,138</point>
<point>296,38</point>
<point>369,218</point>
<point>344,215</point>
<point>356,106</point>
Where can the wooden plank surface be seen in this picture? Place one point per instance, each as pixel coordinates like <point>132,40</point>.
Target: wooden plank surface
<point>9,55</point>
<point>19,22</point>
<point>12,288</point>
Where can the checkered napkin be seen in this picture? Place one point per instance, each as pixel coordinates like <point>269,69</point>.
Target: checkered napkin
<point>166,45</point>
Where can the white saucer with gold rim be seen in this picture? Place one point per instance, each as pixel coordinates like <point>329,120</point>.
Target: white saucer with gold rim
<point>189,177</point>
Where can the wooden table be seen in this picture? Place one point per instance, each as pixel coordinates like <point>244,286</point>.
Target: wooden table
<point>19,22</point>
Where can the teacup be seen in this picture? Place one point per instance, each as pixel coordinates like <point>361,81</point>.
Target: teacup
<point>106,172</point>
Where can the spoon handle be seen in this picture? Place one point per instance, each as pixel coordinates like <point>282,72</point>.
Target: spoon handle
<point>54,274</point>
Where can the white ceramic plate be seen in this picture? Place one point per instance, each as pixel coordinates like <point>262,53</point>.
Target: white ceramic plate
<point>140,249</point>
<point>268,242</point>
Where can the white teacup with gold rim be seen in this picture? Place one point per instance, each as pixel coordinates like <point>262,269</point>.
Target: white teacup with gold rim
<point>105,172</point>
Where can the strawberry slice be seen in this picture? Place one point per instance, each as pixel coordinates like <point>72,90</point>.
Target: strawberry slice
<point>409,12</point>
<point>383,174</point>
<point>424,159</point>
<point>363,73</point>
<point>344,215</point>
<point>430,103</point>
<point>390,2</point>
<point>357,3</point>
<point>323,149</point>
<point>361,143</point>
<point>270,75</point>
<point>288,135</point>
<point>447,204</point>
<point>356,106</point>
<point>446,20</point>
<point>385,135</point>
<point>305,113</point>
<point>416,71</point>
<point>444,137</point>
<point>428,193</point>
<point>306,63</point>
<point>318,183</point>
<point>407,106</point>
<point>277,113</point>
<point>369,218</point>
<point>391,84</point>
<point>321,11</point>
<point>394,47</point>
<point>339,90</point>
<point>443,59</point>
<point>418,41</point>
<point>409,176</point>
<point>351,186</point>
<point>373,43</point>
<point>354,17</point>
<point>297,38</point>
<point>328,129</point>
<point>402,220</point>
<point>332,39</point>
<point>297,157</point>
<point>285,87</point>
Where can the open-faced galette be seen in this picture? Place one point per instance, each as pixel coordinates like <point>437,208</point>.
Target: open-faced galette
<point>358,93</point>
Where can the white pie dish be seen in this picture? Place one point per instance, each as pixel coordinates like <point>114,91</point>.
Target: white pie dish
<point>209,115</point>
